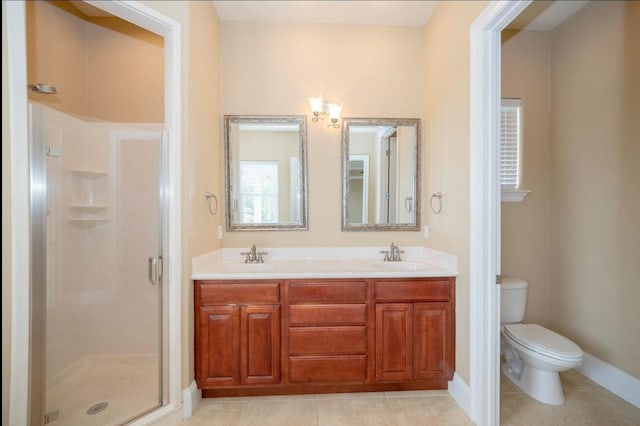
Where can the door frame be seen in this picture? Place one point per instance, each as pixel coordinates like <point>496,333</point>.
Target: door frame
<point>484,222</point>
<point>365,183</point>
<point>143,16</point>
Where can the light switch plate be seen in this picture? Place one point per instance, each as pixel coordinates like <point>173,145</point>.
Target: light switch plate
<point>220,232</point>
<point>426,231</point>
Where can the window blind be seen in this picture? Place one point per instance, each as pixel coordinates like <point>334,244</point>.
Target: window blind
<point>510,141</point>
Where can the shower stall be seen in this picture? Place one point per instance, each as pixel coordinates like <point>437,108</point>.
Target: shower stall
<point>97,297</point>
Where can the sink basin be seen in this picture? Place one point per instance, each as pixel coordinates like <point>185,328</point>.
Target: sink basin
<point>403,265</point>
<point>248,267</point>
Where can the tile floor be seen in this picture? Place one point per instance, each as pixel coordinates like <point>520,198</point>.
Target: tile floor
<point>586,404</point>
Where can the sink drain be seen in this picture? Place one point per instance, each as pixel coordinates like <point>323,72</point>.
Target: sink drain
<point>96,408</point>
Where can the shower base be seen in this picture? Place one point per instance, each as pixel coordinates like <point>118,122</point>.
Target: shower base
<point>129,384</point>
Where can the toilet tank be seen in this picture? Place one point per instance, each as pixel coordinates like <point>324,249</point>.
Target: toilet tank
<point>513,300</point>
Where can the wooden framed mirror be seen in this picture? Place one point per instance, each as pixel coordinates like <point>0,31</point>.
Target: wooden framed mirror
<point>381,174</point>
<point>265,172</point>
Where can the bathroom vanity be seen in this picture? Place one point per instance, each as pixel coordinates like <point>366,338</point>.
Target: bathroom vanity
<point>314,324</point>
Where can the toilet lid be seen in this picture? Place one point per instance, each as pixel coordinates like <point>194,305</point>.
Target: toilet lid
<point>543,341</point>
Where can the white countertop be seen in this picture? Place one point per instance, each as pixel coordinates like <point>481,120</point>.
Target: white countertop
<point>323,262</point>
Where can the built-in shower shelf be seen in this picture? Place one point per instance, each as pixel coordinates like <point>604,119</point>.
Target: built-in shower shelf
<point>85,173</point>
<point>89,208</point>
<point>88,221</point>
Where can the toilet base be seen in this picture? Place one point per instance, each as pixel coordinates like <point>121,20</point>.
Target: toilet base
<point>541,385</point>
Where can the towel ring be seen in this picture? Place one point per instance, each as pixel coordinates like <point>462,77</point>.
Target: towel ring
<point>210,196</point>
<point>438,196</point>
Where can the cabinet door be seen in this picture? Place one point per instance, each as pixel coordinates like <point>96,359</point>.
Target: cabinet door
<point>394,341</point>
<point>260,344</point>
<point>219,346</point>
<point>433,341</point>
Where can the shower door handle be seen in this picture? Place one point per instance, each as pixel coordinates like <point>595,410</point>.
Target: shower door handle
<point>154,270</point>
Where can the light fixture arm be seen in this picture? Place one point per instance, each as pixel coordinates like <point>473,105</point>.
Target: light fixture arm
<point>321,109</point>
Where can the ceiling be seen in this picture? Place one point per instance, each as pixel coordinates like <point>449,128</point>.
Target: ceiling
<point>400,13</point>
<point>545,15</point>
<point>541,15</point>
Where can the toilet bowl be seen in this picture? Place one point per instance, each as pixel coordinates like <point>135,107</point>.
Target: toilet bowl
<point>534,355</point>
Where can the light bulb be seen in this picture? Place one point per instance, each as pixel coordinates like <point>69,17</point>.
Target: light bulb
<point>334,111</point>
<point>316,103</point>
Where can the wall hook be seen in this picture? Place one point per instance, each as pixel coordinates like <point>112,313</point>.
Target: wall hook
<point>209,196</point>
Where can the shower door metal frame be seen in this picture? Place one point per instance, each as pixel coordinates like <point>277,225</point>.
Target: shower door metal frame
<point>38,277</point>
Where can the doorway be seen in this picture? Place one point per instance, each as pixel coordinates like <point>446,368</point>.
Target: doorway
<point>22,250</point>
<point>96,217</point>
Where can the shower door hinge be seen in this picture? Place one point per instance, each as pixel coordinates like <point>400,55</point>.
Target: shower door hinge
<point>498,279</point>
<point>52,152</point>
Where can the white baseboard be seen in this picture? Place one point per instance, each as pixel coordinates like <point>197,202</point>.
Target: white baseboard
<point>611,378</point>
<point>460,391</point>
<point>191,397</point>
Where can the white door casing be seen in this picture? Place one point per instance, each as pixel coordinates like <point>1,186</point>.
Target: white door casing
<point>485,49</point>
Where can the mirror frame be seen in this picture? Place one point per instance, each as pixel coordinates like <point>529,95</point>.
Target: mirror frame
<point>301,120</point>
<point>347,123</point>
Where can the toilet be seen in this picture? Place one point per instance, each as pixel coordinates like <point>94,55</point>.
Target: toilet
<point>533,354</point>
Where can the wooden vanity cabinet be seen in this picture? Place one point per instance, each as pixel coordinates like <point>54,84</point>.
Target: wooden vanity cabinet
<point>264,337</point>
<point>237,338</point>
<point>415,334</point>
<point>327,336</point>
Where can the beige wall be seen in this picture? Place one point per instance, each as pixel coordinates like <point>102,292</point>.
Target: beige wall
<point>446,138</point>
<point>526,74</point>
<point>595,180</point>
<point>274,68</point>
<point>125,70</point>
<point>118,67</point>
<point>202,151</point>
<point>6,229</point>
<point>55,39</point>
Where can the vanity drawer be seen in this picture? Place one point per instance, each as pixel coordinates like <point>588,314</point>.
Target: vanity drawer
<point>327,340</point>
<point>327,292</point>
<point>211,293</point>
<point>343,314</point>
<point>398,290</point>
<point>328,369</point>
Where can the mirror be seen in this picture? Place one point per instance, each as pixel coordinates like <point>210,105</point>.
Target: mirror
<point>265,172</point>
<point>381,174</point>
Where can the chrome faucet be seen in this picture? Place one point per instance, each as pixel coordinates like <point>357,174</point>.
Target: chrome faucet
<point>393,254</point>
<point>253,255</point>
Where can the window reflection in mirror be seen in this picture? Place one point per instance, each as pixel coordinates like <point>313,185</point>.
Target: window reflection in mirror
<point>265,172</point>
<point>381,176</point>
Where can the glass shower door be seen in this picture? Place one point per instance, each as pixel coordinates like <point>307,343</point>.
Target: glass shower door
<point>102,275</point>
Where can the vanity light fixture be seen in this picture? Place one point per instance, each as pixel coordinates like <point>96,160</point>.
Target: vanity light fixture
<point>321,109</point>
